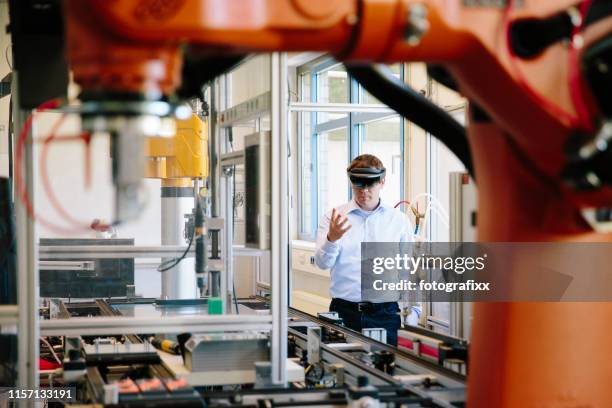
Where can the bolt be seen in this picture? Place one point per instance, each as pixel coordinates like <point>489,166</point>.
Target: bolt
<point>593,179</point>
<point>578,41</point>
<point>351,19</point>
<point>602,67</point>
<point>417,24</point>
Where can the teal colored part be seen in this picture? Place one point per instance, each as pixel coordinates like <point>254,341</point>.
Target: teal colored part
<point>215,306</point>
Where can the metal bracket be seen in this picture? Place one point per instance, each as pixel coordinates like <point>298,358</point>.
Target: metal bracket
<point>246,110</point>
<point>66,265</point>
<point>214,223</point>
<point>215,264</point>
<point>418,24</point>
<point>314,345</point>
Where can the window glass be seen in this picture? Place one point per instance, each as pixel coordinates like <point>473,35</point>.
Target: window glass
<point>306,175</point>
<point>440,312</point>
<point>332,163</point>
<point>326,117</point>
<point>305,81</point>
<point>327,140</point>
<point>382,138</point>
<point>442,162</point>
<point>332,85</point>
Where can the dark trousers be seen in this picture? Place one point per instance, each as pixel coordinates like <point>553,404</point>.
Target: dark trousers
<point>369,316</point>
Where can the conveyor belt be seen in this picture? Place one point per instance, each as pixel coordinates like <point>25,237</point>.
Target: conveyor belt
<point>450,388</point>
<point>401,356</point>
<point>441,396</point>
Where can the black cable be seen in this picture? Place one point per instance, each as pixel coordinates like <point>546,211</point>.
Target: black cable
<point>381,83</point>
<point>10,137</point>
<point>163,267</point>
<point>235,300</point>
<point>234,228</point>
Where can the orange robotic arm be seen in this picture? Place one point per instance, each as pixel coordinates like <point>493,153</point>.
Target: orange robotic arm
<point>527,104</point>
<point>133,46</point>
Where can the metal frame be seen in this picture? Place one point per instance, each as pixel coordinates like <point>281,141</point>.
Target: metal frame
<point>455,215</point>
<point>340,108</point>
<point>27,316</point>
<point>254,108</point>
<point>66,266</point>
<point>27,262</point>
<point>460,311</point>
<point>224,194</point>
<point>232,159</point>
<point>9,314</point>
<point>104,326</point>
<point>227,196</point>
<point>280,216</point>
<point>279,254</point>
<point>126,251</point>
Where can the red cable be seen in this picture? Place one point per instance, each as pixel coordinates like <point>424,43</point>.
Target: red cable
<point>45,176</point>
<point>19,185</point>
<point>571,120</point>
<point>400,203</point>
<point>86,138</point>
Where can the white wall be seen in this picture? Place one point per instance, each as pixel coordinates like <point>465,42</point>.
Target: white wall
<point>5,53</point>
<point>250,79</point>
<point>65,170</point>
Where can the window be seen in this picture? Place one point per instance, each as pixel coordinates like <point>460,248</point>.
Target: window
<point>332,85</point>
<point>332,163</point>
<point>382,138</point>
<point>442,162</point>
<point>306,174</point>
<point>329,140</point>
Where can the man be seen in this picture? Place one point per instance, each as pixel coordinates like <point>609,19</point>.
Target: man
<point>363,219</point>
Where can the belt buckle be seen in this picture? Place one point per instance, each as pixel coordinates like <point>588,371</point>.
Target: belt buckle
<point>363,307</point>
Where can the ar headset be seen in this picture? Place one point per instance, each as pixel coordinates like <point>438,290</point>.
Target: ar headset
<point>364,177</point>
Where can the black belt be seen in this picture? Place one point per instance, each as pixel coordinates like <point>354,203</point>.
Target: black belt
<point>364,307</point>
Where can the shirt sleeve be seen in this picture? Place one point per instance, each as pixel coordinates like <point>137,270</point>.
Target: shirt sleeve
<point>326,252</point>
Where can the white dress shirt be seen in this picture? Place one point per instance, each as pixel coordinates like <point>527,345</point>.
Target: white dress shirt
<point>343,257</point>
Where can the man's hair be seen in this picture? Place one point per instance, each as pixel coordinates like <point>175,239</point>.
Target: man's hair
<point>365,161</point>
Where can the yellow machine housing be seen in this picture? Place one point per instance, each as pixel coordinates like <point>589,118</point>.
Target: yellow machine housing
<point>185,155</point>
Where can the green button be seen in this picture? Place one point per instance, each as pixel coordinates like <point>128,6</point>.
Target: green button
<point>215,306</point>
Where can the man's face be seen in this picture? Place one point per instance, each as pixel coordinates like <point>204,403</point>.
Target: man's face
<point>368,197</point>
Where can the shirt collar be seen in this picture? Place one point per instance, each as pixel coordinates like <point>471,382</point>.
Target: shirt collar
<point>353,206</point>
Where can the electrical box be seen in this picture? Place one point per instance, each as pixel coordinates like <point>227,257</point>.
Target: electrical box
<point>257,191</point>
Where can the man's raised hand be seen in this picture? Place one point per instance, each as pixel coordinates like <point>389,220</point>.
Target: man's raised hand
<point>338,225</point>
